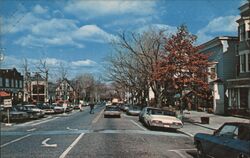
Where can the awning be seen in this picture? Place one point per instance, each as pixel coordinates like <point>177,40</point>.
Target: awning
<point>4,94</point>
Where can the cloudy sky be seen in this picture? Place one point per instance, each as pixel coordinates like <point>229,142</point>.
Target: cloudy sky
<point>75,34</point>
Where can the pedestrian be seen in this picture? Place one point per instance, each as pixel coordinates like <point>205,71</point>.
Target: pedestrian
<point>91,108</point>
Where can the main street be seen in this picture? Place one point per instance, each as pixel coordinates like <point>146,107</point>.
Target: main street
<point>80,134</point>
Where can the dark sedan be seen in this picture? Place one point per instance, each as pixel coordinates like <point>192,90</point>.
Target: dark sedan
<point>232,140</point>
<point>14,115</point>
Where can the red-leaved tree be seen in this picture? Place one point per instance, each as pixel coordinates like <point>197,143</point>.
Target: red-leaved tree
<point>182,68</point>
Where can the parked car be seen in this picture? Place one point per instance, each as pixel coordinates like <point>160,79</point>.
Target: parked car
<point>231,140</point>
<point>134,110</point>
<point>14,115</point>
<point>125,107</point>
<point>155,117</point>
<point>39,112</point>
<point>48,109</point>
<point>58,109</point>
<point>33,114</point>
<point>112,110</point>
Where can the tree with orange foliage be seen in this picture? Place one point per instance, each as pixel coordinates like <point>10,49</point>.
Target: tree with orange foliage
<point>182,68</point>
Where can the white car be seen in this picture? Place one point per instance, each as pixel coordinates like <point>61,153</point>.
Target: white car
<point>155,117</point>
<point>112,111</point>
<point>34,108</point>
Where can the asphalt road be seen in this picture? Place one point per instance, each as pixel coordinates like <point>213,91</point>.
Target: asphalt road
<point>80,134</point>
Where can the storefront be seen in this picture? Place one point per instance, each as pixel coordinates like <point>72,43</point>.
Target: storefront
<point>239,97</point>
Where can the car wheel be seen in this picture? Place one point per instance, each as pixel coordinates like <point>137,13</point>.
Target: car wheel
<point>200,152</point>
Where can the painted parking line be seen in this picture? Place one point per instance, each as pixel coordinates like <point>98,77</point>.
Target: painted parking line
<point>135,123</point>
<point>182,152</point>
<point>64,154</point>
<point>16,140</point>
<point>38,123</point>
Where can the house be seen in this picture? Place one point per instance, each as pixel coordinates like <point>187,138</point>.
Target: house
<point>221,51</point>
<point>65,92</point>
<point>239,87</point>
<point>38,89</point>
<point>11,85</point>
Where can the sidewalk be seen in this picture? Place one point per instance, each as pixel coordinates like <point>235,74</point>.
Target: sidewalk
<point>193,125</point>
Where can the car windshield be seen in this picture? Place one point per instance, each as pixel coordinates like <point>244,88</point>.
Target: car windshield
<point>112,108</point>
<point>124,78</point>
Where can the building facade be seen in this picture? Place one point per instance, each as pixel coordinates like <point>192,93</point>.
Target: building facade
<point>221,51</point>
<point>38,89</point>
<point>11,85</point>
<point>65,92</point>
<point>239,87</point>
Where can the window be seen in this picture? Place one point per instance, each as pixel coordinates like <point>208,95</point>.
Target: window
<point>229,131</point>
<point>243,63</point>
<point>12,83</point>
<point>20,84</point>
<point>213,73</point>
<point>7,82</point>
<point>1,82</point>
<point>16,84</point>
<point>248,60</point>
<point>242,32</point>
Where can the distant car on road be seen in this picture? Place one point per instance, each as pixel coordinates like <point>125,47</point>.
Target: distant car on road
<point>155,117</point>
<point>231,140</point>
<point>112,110</point>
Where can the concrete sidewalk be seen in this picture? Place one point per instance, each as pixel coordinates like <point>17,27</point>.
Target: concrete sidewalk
<point>193,125</point>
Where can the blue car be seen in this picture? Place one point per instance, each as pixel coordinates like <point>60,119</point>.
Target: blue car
<point>231,140</point>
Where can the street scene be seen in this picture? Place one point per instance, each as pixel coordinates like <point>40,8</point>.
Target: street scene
<point>125,79</point>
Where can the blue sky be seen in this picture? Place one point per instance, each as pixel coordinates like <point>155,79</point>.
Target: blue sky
<point>76,33</point>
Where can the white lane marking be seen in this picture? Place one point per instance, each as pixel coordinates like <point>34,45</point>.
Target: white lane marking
<point>179,153</point>
<point>29,130</point>
<point>13,141</point>
<point>44,143</point>
<point>189,134</point>
<point>194,149</point>
<point>34,124</point>
<point>98,117</point>
<point>138,125</point>
<point>71,146</point>
<point>72,129</point>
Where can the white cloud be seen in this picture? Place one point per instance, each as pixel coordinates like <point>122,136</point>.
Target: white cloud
<point>225,24</point>
<point>39,9</point>
<point>167,28</point>
<point>83,63</point>
<point>92,33</point>
<point>89,9</point>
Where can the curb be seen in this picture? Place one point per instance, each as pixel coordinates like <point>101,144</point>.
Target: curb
<point>197,124</point>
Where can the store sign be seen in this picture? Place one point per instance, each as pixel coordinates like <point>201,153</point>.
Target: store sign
<point>7,103</point>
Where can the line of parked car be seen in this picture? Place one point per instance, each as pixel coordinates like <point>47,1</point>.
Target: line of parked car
<point>30,111</point>
<point>149,116</point>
